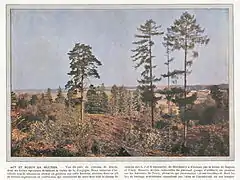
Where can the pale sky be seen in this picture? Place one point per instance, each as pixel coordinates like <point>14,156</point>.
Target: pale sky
<point>42,38</point>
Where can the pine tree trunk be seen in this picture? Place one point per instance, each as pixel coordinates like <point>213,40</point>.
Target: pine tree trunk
<point>151,83</point>
<point>185,95</point>
<point>168,79</point>
<point>81,99</point>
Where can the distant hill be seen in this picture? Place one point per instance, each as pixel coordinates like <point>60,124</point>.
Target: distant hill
<point>199,87</point>
<point>108,88</point>
<point>35,91</point>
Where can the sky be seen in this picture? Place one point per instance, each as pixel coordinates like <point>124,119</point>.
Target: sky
<point>41,39</point>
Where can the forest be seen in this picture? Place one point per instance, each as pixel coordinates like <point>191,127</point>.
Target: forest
<point>91,120</point>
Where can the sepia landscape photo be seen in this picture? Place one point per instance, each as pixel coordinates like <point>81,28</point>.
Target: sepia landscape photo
<point>117,82</point>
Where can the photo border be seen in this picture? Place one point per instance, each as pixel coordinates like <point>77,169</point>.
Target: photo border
<point>230,7</point>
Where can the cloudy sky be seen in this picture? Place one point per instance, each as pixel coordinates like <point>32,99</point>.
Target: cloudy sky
<point>42,38</point>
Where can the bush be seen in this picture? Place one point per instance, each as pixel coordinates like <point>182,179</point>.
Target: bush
<point>56,127</point>
<point>207,116</point>
<point>62,152</point>
<point>66,129</point>
<point>18,140</point>
<point>208,113</point>
<point>142,138</point>
<point>21,123</point>
<point>212,143</point>
<point>162,124</point>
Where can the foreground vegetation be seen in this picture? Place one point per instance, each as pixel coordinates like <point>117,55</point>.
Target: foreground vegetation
<point>118,126</point>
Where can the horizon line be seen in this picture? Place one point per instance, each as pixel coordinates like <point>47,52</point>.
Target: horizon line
<point>108,86</point>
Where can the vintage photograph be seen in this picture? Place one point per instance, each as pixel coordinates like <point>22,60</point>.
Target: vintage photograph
<point>116,82</point>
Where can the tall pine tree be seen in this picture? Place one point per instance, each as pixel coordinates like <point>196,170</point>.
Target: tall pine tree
<point>144,58</point>
<point>169,75</point>
<point>83,65</point>
<point>185,34</point>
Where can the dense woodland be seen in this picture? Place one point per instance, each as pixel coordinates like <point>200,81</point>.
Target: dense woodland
<point>90,120</point>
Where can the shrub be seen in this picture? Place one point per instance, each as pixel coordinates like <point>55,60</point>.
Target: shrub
<point>62,152</point>
<point>211,143</point>
<point>207,116</point>
<point>18,140</point>
<point>162,124</point>
<point>66,129</point>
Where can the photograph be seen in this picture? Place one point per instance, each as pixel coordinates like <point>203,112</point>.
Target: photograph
<point>122,81</point>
